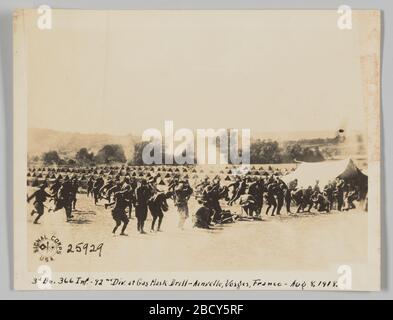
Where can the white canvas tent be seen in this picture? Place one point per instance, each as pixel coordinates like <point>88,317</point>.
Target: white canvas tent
<point>308,172</point>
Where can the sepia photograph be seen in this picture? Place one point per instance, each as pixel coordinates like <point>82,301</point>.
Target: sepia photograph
<point>196,149</point>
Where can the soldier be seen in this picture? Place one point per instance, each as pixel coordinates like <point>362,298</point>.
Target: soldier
<point>133,184</point>
<point>298,197</point>
<point>270,196</point>
<point>40,197</point>
<point>142,196</point>
<point>256,190</point>
<point>340,194</point>
<point>241,189</point>
<point>74,190</point>
<point>158,206</point>
<point>106,187</point>
<point>287,198</point>
<point>54,189</point>
<point>234,185</point>
<point>322,202</point>
<point>65,196</point>
<point>90,184</point>
<point>211,196</point>
<point>55,186</point>
<point>307,199</point>
<point>118,212</point>
<point>279,191</point>
<point>248,204</point>
<point>115,187</point>
<point>182,194</point>
<point>351,196</point>
<point>329,191</point>
<point>96,189</point>
<point>202,216</point>
<point>316,191</point>
<point>173,183</point>
<point>292,185</point>
<point>152,184</point>
<point>203,183</point>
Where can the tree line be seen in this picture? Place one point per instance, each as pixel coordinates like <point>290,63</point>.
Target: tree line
<point>261,152</point>
<point>110,153</point>
<point>267,151</point>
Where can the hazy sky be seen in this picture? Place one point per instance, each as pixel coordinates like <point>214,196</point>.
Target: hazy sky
<point>122,72</point>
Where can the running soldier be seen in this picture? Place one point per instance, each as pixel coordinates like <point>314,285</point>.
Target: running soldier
<point>65,196</point>
<point>98,184</point>
<point>105,189</point>
<point>256,190</point>
<point>172,184</point>
<point>40,197</point>
<point>234,185</point>
<point>54,189</point>
<point>240,190</point>
<point>115,187</point>
<point>182,194</point>
<point>119,210</point>
<point>158,206</point>
<point>74,190</point>
<point>133,184</point>
<point>142,196</point>
<point>90,184</point>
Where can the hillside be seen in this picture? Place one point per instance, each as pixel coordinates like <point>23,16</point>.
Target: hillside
<point>67,143</point>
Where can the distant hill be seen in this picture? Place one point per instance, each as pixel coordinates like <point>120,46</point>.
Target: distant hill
<point>67,143</point>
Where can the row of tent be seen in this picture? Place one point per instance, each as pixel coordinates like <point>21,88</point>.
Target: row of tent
<point>128,169</point>
<point>35,181</point>
<point>51,175</point>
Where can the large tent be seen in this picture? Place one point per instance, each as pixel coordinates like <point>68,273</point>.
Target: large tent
<point>307,173</point>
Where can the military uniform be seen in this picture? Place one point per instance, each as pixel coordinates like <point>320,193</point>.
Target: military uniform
<point>142,195</point>
<point>182,194</point>
<point>270,198</point>
<point>66,197</point>
<point>157,206</point>
<point>40,197</point>
<point>118,212</point>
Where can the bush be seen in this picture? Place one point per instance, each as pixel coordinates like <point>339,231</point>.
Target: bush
<point>51,157</point>
<point>84,157</point>
<point>110,153</point>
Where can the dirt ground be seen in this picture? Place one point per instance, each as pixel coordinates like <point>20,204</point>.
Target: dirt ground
<point>280,243</point>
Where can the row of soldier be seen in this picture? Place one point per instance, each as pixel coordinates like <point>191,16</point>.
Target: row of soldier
<point>122,195</point>
<point>252,193</point>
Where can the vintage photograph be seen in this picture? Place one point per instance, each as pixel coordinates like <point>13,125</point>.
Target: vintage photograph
<point>197,150</point>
